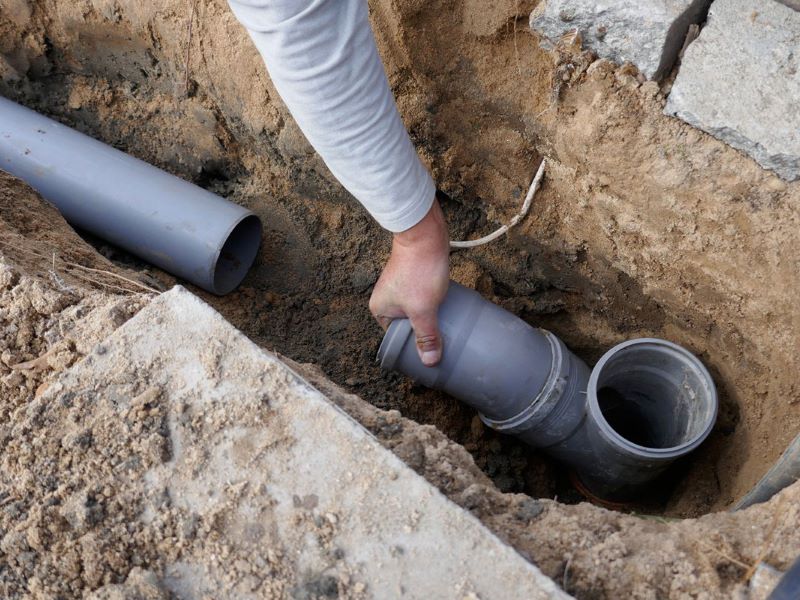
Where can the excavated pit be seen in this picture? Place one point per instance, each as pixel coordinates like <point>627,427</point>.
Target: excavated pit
<point>644,226</point>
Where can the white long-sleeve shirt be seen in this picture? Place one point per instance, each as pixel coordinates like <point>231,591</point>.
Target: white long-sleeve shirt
<point>322,59</point>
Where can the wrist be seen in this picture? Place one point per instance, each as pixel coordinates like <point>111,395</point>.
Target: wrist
<point>429,234</point>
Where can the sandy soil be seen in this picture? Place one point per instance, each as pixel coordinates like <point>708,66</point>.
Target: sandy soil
<point>58,297</point>
<point>644,226</point>
<point>72,518</point>
<point>590,551</point>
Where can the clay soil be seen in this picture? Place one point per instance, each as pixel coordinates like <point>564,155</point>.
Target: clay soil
<point>643,227</point>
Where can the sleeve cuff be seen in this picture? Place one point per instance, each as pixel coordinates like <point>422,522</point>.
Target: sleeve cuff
<point>414,208</point>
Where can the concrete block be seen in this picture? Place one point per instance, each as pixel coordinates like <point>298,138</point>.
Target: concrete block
<point>740,82</point>
<point>647,34</point>
<point>795,4</point>
<point>273,482</point>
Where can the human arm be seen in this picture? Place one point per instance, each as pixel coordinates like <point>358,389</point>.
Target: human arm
<point>322,59</point>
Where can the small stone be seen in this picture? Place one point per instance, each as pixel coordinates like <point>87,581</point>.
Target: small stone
<point>528,510</point>
<point>566,15</point>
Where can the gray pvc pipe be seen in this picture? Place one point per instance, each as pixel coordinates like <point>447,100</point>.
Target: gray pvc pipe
<point>782,474</point>
<point>494,378</point>
<point>646,403</point>
<point>788,588</point>
<point>649,402</point>
<point>163,219</point>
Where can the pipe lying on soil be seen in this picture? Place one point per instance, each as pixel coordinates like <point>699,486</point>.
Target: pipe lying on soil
<point>646,403</point>
<point>167,221</point>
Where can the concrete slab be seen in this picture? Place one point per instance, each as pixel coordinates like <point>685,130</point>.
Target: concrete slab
<point>648,34</point>
<point>740,82</point>
<point>286,487</point>
<point>795,4</point>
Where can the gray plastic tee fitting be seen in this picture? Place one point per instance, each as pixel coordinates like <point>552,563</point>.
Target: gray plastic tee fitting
<point>646,402</point>
<point>161,218</point>
<point>649,402</point>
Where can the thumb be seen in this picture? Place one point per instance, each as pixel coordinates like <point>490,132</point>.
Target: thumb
<point>429,340</point>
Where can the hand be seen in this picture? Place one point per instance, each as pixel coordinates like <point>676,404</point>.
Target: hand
<point>414,282</point>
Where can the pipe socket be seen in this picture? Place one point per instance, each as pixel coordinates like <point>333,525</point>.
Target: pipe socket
<point>490,357</point>
<point>163,219</point>
<point>646,403</point>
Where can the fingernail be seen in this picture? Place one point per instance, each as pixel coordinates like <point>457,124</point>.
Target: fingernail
<point>431,357</point>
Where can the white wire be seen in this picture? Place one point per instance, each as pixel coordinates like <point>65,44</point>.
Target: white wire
<point>526,205</point>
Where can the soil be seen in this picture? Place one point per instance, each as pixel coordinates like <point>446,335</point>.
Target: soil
<point>58,296</point>
<point>643,227</point>
<point>589,551</point>
<point>74,499</point>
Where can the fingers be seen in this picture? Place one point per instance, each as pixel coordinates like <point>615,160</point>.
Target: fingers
<point>429,340</point>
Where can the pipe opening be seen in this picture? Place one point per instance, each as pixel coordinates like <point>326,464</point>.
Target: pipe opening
<point>626,417</point>
<point>237,254</point>
<point>654,395</point>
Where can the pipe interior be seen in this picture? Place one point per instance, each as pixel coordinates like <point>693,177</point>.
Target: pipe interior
<point>654,397</point>
<point>237,254</point>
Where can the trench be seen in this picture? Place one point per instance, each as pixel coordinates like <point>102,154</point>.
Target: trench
<point>125,82</point>
<point>307,302</point>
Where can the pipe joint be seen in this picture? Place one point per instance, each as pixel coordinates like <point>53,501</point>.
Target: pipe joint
<point>646,403</point>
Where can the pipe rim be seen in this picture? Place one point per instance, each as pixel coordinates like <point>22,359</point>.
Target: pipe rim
<point>593,406</point>
<point>246,231</point>
<point>392,344</point>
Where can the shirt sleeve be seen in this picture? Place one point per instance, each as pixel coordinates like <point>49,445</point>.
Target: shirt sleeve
<point>322,59</point>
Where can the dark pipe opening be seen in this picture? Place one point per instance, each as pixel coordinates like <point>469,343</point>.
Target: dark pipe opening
<point>651,397</point>
<point>627,418</point>
<point>237,254</point>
